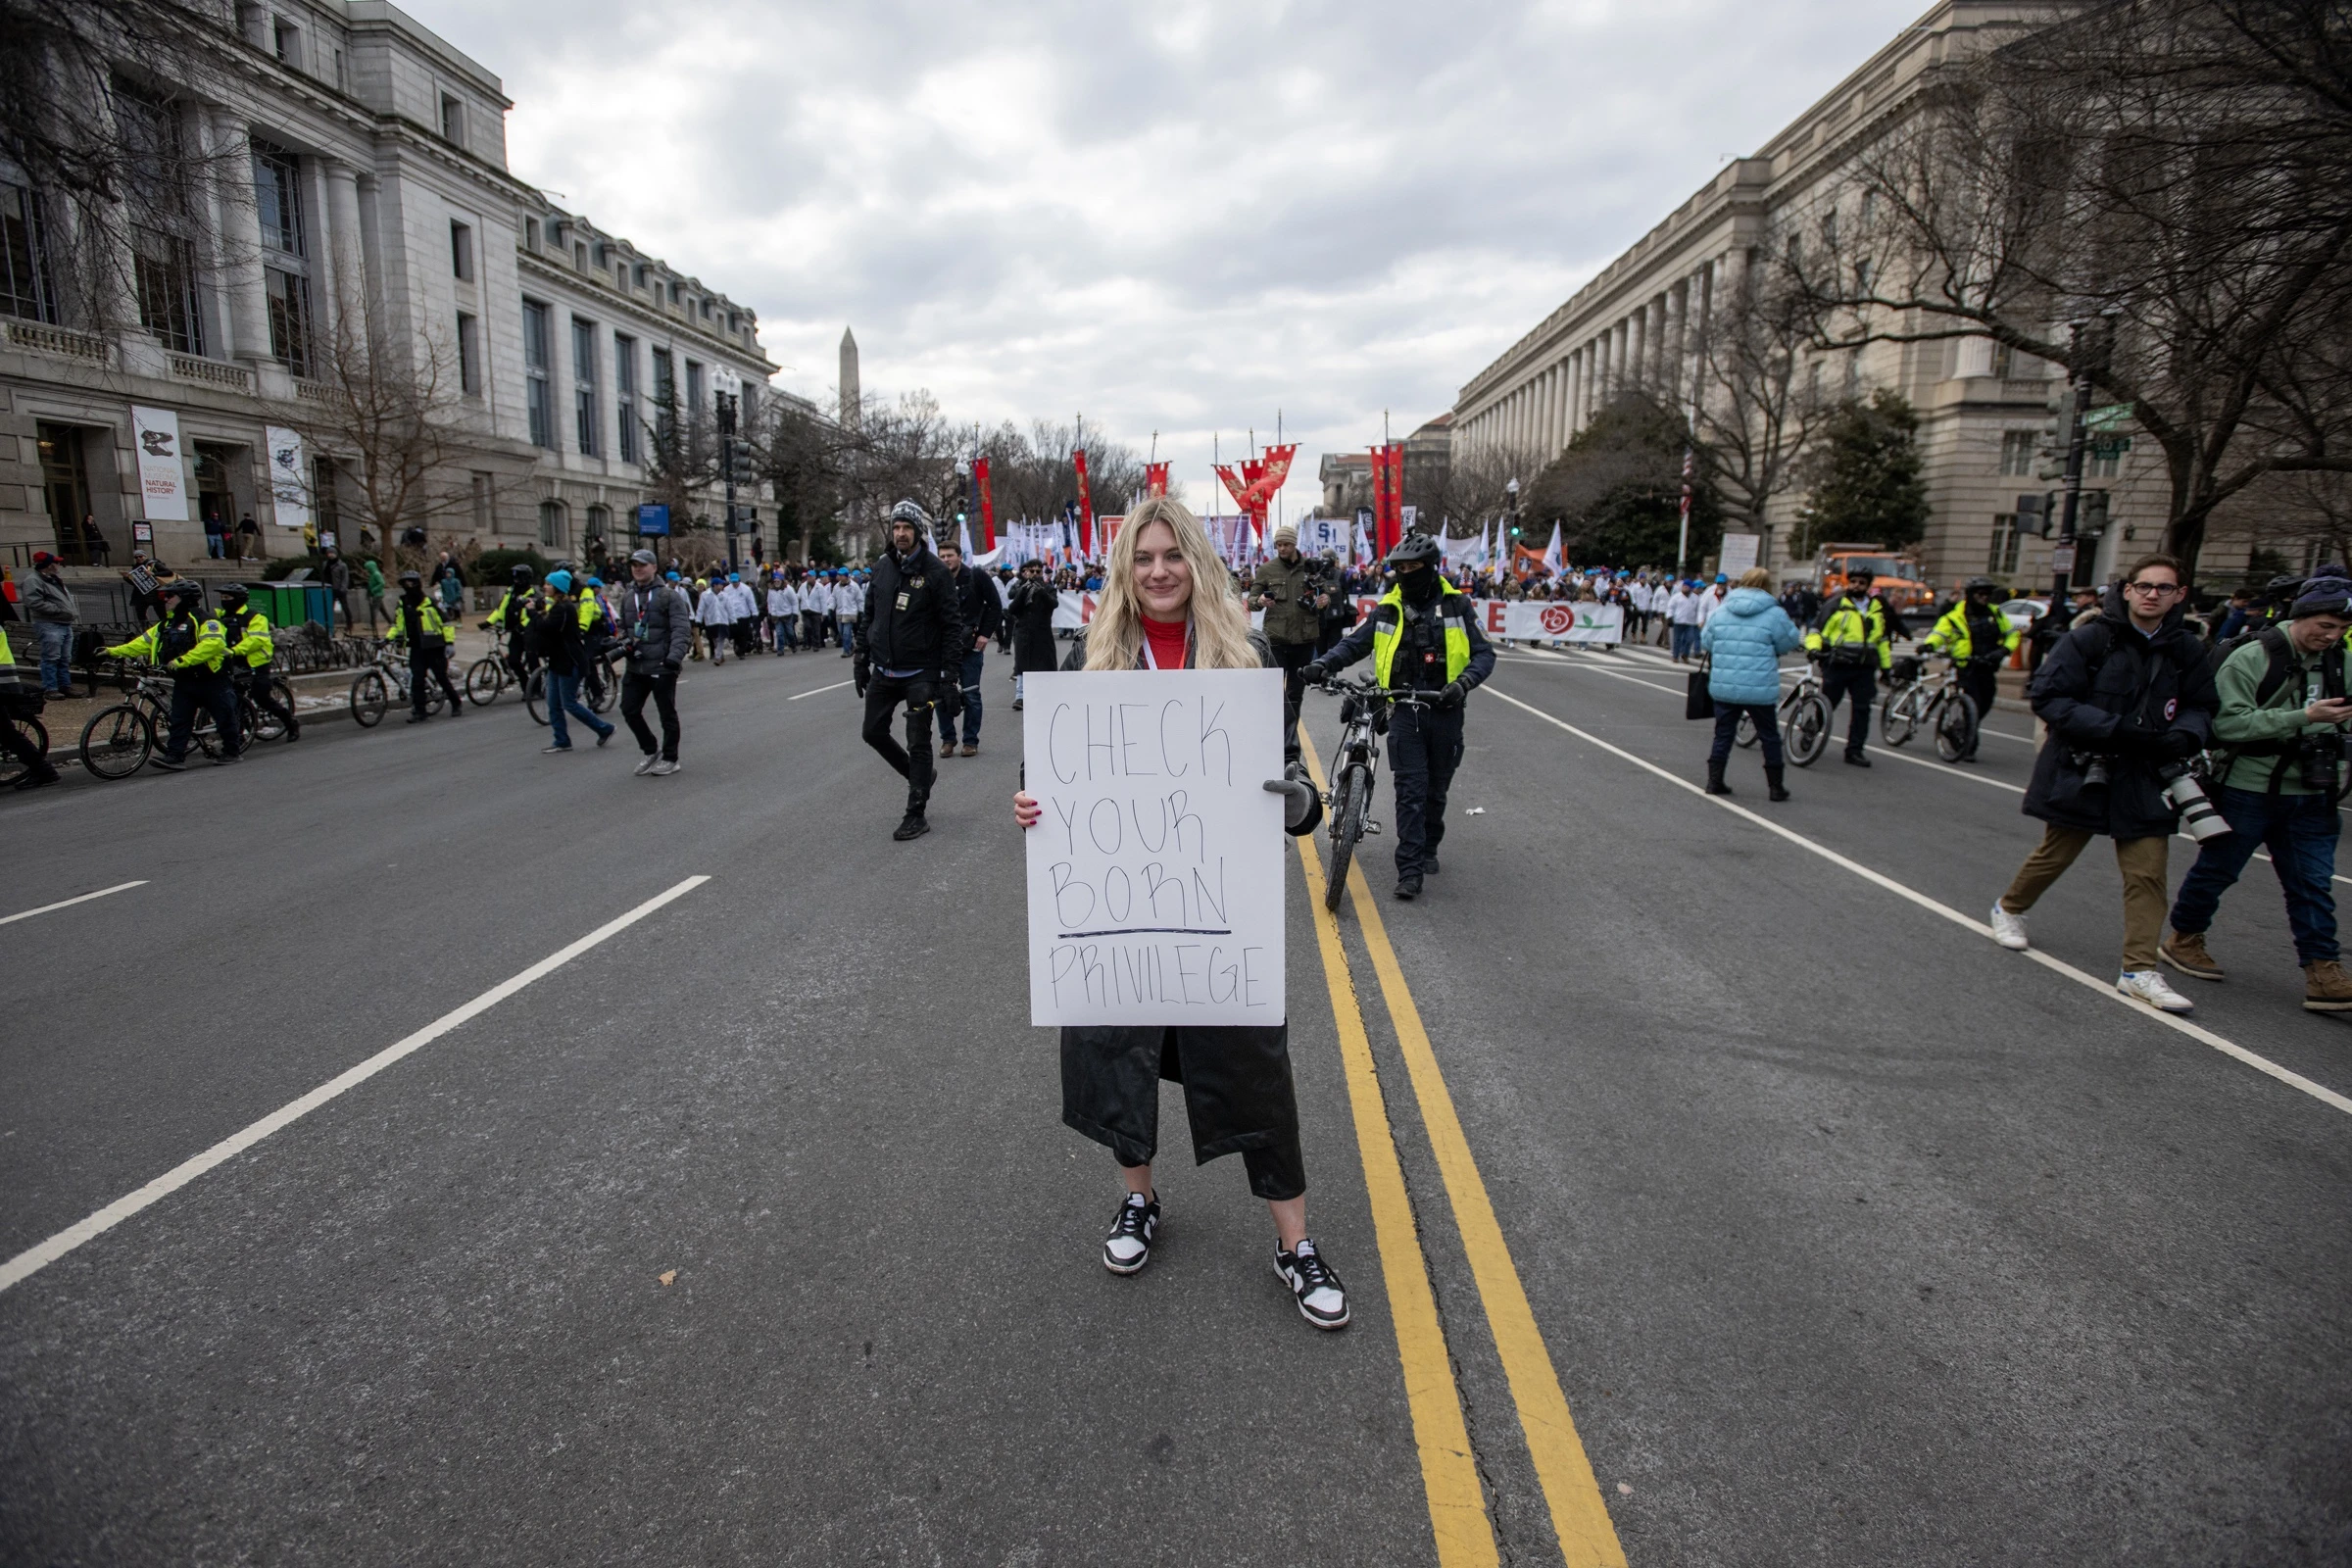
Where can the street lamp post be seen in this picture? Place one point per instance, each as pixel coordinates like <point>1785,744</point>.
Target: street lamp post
<point>1510,518</point>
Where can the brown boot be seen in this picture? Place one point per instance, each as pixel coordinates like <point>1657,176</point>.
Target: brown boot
<point>2326,988</point>
<point>2185,952</point>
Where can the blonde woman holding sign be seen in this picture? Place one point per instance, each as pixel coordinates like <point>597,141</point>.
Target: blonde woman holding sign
<point>1168,604</point>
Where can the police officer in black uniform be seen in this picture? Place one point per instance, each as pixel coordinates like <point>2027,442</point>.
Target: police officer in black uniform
<point>1422,636</point>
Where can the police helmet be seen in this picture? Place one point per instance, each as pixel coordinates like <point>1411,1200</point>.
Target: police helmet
<point>1981,585</point>
<point>232,594</point>
<point>1413,547</point>
<point>413,575</point>
<point>523,575</point>
<point>184,587</point>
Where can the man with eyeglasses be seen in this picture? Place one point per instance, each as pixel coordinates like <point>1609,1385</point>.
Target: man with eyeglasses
<point>2129,694</point>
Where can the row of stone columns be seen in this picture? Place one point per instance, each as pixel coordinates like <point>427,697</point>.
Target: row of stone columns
<point>1651,347</point>
<point>339,269</point>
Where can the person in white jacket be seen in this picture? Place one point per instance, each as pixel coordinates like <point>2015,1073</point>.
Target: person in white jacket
<point>716,612</point>
<point>816,603</point>
<point>848,602</point>
<point>1682,613</point>
<point>743,600</point>
<point>783,615</point>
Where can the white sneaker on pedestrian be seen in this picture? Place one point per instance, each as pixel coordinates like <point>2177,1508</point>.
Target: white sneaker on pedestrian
<point>2009,930</point>
<point>2149,986</point>
<point>652,760</point>
<point>663,769</point>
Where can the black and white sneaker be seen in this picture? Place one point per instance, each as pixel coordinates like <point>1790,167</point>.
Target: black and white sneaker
<point>1128,1246</point>
<point>1322,1298</point>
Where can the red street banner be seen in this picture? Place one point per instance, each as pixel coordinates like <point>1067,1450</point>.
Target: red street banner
<point>1388,496</point>
<point>1086,507</point>
<point>987,505</point>
<point>1155,478</point>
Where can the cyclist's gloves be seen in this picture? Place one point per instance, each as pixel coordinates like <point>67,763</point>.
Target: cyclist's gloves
<point>1314,675</point>
<point>670,667</point>
<point>1451,697</point>
<point>1298,800</point>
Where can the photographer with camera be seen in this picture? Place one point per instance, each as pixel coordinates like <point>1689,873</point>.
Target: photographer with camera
<point>2128,700</point>
<point>2283,706</point>
<point>1285,590</point>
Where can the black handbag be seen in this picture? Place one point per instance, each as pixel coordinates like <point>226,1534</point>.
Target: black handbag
<point>1699,702</point>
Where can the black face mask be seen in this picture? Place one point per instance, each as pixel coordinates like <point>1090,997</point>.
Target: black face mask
<point>414,593</point>
<point>1420,587</point>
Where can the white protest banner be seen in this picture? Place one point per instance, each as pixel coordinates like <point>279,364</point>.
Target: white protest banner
<point>1072,610</point>
<point>1556,620</point>
<point>1158,872</point>
<point>287,487</point>
<point>163,477</point>
<point>1737,554</point>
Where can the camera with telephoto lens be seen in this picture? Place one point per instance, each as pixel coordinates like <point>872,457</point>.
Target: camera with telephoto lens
<point>2319,758</point>
<point>2094,769</point>
<point>2183,794</point>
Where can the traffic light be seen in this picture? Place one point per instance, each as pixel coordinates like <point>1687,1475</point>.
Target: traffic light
<point>2057,434</point>
<point>1514,530</point>
<point>2091,520</point>
<point>2033,515</point>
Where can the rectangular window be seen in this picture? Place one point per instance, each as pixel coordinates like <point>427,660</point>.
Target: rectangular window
<point>2103,465</point>
<point>2005,359</point>
<point>666,397</point>
<point>470,354</point>
<point>285,40</point>
<point>288,296</point>
<point>2002,560</point>
<point>25,286</point>
<point>551,522</point>
<point>694,389</point>
<point>530,232</point>
<point>452,118</point>
<point>278,199</point>
<point>2018,448</point>
<point>164,276</point>
<point>326,497</point>
<point>583,383</point>
<point>483,522</point>
<point>624,394</point>
<point>535,354</point>
<point>460,252</point>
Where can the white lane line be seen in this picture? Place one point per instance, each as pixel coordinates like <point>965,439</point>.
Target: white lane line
<point>1941,768</point>
<point>2228,1048</point>
<point>66,904</point>
<point>35,1259</point>
<point>836,686</point>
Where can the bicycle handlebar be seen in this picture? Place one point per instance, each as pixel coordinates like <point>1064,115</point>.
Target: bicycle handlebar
<point>1367,688</point>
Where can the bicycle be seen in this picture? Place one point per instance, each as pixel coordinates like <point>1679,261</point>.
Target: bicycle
<point>1948,712</point>
<point>14,769</point>
<point>1804,718</point>
<point>372,690</point>
<point>1354,770</point>
<point>119,741</point>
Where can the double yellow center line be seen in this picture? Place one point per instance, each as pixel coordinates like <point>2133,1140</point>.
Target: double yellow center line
<point>1457,1512</point>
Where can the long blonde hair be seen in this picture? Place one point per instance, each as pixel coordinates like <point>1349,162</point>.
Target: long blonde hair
<point>1115,640</point>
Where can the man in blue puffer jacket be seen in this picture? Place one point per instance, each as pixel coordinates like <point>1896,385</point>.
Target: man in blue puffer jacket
<point>1743,641</point>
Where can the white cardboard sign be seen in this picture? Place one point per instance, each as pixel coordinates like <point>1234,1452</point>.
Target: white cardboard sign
<point>1158,872</point>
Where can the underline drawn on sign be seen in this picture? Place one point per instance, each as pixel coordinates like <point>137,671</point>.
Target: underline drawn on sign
<point>1154,930</point>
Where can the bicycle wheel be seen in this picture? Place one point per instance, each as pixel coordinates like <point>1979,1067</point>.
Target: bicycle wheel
<point>13,767</point>
<point>204,735</point>
<point>115,742</point>
<point>1349,803</point>
<point>485,678</point>
<point>1808,729</point>
<point>1899,714</point>
<point>535,695</point>
<point>371,693</point>
<point>608,685</point>
<point>1745,733</point>
<point>261,724</point>
<point>1955,726</point>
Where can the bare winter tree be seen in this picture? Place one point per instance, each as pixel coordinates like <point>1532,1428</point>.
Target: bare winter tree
<point>95,123</point>
<point>2178,169</point>
<point>804,458</point>
<point>1755,412</point>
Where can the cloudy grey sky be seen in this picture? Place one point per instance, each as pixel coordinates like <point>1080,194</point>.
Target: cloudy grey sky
<point>1181,215</point>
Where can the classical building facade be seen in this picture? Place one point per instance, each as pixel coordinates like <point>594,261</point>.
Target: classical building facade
<point>1638,325</point>
<point>358,231</point>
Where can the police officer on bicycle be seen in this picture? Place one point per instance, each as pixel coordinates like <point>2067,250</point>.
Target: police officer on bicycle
<point>1423,637</point>
<point>250,652</point>
<point>1979,640</point>
<point>512,619</point>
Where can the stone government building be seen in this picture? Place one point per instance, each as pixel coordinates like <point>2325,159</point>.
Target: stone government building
<point>1982,412</point>
<point>376,160</point>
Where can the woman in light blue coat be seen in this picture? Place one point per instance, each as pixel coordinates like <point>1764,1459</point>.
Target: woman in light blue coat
<point>1743,642</point>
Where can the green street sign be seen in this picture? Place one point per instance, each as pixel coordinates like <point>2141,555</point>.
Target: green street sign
<point>2107,417</point>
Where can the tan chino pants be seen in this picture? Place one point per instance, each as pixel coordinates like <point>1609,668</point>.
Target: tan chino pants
<point>2142,865</point>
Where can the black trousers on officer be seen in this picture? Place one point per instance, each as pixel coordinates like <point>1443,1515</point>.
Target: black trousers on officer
<point>1425,747</point>
<point>1292,658</point>
<point>913,759</point>
<point>271,697</point>
<point>662,688</point>
<point>210,690</point>
<point>429,661</point>
<point>1861,683</point>
<point>1977,679</point>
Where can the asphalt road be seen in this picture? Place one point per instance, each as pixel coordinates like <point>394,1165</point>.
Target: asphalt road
<point>1849,1237</point>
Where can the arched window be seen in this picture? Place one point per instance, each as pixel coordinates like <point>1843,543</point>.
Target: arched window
<point>551,522</point>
